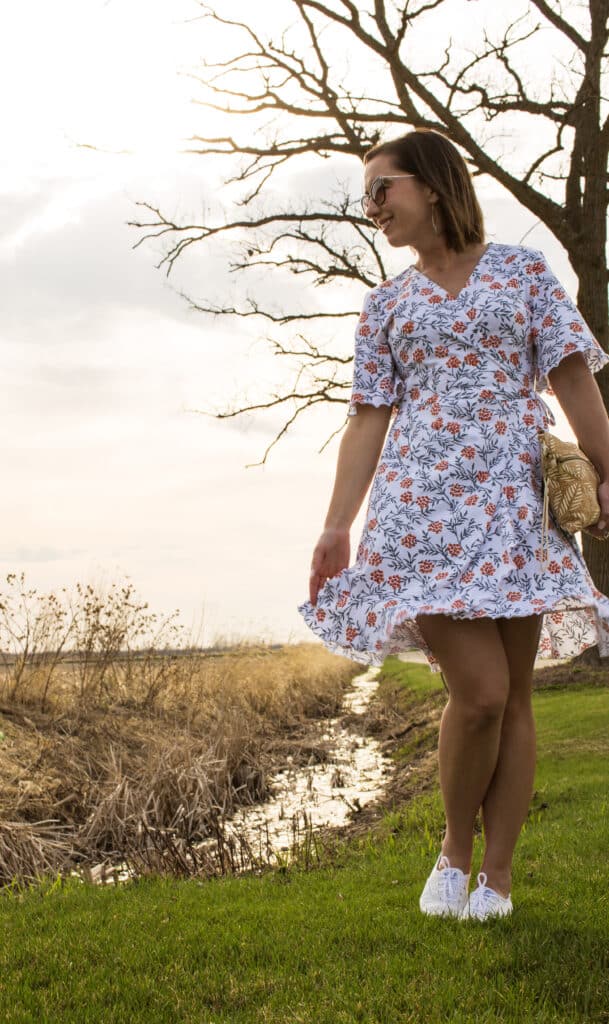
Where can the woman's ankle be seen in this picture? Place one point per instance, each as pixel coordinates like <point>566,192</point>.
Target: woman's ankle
<point>458,858</point>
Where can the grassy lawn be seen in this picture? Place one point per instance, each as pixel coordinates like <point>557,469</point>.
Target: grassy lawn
<point>345,943</point>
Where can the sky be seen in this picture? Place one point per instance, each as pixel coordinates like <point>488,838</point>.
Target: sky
<point>111,469</point>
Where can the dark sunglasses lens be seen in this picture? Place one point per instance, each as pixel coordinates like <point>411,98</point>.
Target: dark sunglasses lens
<point>377,191</point>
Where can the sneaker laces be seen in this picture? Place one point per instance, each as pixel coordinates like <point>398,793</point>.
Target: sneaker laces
<point>485,895</point>
<point>450,881</point>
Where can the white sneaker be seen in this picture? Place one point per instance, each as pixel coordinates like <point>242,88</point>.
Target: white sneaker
<point>445,892</point>
<point>485,902</point>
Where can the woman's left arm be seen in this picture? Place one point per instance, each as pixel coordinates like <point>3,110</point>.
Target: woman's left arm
<point>580,398</point>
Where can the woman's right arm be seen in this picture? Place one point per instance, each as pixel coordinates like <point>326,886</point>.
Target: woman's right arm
<point>358,456</point>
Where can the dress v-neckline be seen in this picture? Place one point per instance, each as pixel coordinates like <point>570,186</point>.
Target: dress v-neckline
<point>450,296</point>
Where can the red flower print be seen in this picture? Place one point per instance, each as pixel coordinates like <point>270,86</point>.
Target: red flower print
<point>456,490</point>
<point>454,549</point>
<point>391,304</point>
<point>440,351</point>
<point>426,566</point>
<point>496,286</point>
<point>434,299</point>
<point>406,497</point>
<point>500,376</point>
<point>372,524</point>
<point>468,452</point>
<point>423,501</point>
<point>386,384</point>
<point>482,476</point>
<point>391,476</point>
<point>395,582</point>
<point>364,330</point>
<point>408,327</point>
<point>486,277</point>
<point>351,632</point>
<point>467,576</point>
<point>567,562</point>
<point>404,449</point>
<point>501,352</point>
<point>509,491</point>
<point>436,526</point>
<point>533,334</point>
<point>371,366</point>
<point>535,268</point>
<point>418,355</point>
<point>414,393</point>
<point>437,424</point>
<point>523,512</point>
<point>443,464</point>
<point>488,569</point>
<point>485,415</point>
<point>500,426</point>
<point>320,615</point>
<point>390,604</point>
<point>554,567</point>
<point>577,328</point>
<point>471,359</point>
<point>510,259</point>
<point>458,603</point>
<point>409,540</point>
<point>458,326</point>
<point>515,359</point>
<point>534,290</point>
<point>371,619</point>
<point>514,595</point>
<point>378,575</point>
<point>490,509</point>
<point>453,427</point>
<point>434,408</point>
<point>558,293</point>
<point>375,558</point>
<point>526,457</point>
<point>471,313</point>
<point>487,395</point>
<point>453,362</point>
<point>569,347</point>
<point>383,349</point>
<point>512,283</point>
<point>520,561</point>
<point>528,420</point>
<point>495,341</point>
<point>357,397</point>
<point>441,575</point>
<point>556,617</point>
<point>519,318</point>
<point>547,321</point>
<point>382,467</point>
<point>406,482</point>
<point>363,318</point>
<point>472,500</point>
<point>425,291</point>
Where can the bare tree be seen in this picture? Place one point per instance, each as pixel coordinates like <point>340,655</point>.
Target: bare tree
<point>297,99</point>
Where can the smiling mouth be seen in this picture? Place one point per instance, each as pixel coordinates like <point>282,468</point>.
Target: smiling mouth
<point>383,224</point>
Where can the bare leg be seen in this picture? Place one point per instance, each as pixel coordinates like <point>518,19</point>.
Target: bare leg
<point>473,660</point>
<point>507,799</point>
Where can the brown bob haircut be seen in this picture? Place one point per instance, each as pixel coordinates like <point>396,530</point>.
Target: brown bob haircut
<point>437,162</point>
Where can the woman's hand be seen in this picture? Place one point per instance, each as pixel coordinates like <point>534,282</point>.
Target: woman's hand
<point>330,556</point>
<point>600,530</point>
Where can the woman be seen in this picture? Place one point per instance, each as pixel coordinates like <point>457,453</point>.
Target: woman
<point>450,559</point>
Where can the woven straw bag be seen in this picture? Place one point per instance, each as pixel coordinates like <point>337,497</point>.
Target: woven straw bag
<point>570,484</point>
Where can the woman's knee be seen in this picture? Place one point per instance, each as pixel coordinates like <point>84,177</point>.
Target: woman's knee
<point>481,701</point>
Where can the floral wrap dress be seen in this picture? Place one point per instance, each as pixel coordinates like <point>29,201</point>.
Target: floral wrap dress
<point>454,517</point>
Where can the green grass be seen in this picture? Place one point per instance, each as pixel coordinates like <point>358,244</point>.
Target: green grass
<point>345,943</point>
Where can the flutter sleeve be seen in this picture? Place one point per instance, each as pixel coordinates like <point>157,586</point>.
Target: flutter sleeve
<point>376,380</point>
<point>557,328</point>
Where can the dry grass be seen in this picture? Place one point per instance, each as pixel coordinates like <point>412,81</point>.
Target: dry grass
<point>112,747</point>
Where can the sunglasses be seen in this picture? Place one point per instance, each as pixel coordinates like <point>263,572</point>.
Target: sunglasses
<point>377,191</point>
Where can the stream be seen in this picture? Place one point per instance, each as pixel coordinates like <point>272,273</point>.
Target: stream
<point>305,797</point>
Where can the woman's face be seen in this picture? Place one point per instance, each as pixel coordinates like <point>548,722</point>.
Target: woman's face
<point>405,215</point>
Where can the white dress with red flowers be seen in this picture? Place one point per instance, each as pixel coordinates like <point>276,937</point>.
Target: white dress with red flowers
<point>454,516</point>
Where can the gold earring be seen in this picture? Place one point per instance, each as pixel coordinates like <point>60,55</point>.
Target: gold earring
<point>433,220</point>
